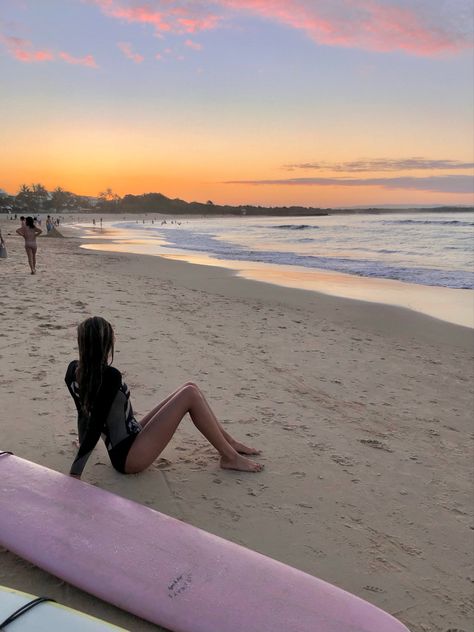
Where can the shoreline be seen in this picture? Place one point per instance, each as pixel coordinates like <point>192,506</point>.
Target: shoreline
<point>389,319</point>
<point>362,411</point>
<point>454,306</point>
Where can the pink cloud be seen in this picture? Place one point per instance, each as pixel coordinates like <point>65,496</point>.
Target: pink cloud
<point>368,24</point>
<point>168,16</point>
<point>23,50</point>
<point>420,28</point>
<point>195,24</point>
<point>88,60</point>
<point>194,45</point>
<point>126,49</point>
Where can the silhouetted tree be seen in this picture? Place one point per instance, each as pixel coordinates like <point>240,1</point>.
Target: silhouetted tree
<point>40,196</point>
<point>60,198</point>
<point>24,201</point>
<point>6,202</point>
<point>108,200</point>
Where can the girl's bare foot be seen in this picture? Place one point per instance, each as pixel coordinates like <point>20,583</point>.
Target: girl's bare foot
<point>241,448</point>
<point>240,463</point>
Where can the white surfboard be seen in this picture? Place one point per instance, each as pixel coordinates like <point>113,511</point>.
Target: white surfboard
<point>46,616</point>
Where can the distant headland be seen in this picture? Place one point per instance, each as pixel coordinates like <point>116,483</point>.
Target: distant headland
<point>36,199</point>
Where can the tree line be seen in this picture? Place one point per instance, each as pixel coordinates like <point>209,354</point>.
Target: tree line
<point>35,198</point>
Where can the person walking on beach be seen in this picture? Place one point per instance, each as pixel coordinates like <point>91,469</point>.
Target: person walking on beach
<point>29,232</point>
<point>103,405</point>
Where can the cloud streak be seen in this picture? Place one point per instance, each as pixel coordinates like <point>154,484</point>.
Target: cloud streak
<point>165,16</point>
<point>436,184</point>
<point>127,50</point>
<point>87,61</point>
<point>24,51</point>
<point>418,27</point>
<point>382,164</point>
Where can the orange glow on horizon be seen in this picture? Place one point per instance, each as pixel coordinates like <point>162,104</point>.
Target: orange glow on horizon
<point>194,164</point>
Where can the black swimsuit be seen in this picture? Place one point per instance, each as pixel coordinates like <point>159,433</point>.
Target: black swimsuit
<point>111,417</point>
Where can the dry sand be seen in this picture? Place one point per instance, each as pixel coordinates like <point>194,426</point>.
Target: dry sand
<point>363,413</point>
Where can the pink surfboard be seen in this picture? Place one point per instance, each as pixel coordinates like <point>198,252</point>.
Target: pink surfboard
<point>162,569</point>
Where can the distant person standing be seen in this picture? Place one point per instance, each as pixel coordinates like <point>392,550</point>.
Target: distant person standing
<point>29,232</point>
<point>49,223</point>
<point>3,247</point>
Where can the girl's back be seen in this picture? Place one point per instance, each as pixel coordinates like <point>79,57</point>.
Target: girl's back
<point>29,235</point>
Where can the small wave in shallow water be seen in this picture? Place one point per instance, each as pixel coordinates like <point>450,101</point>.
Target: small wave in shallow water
<point>439,252</point>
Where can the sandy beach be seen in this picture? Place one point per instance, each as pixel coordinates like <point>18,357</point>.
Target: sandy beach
<point>363,413</point>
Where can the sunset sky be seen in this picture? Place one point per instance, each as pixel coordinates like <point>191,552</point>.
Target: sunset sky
<point>272,102</point>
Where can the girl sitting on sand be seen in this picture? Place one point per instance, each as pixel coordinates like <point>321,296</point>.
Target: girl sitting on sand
<point>29,232</point>
<point>103,405</point>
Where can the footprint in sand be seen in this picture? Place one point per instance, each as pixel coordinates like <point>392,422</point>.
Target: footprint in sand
<point>374,443</point>
<point>374,589</point>
<point>298,474</point>
<point>162,464</point>
<point>342,460</point>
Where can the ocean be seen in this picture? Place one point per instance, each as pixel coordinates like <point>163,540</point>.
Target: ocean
<point>425,249</point>
<point>433,250</point>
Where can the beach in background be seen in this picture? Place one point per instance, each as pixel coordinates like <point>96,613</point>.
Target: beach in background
<point>362,410</point>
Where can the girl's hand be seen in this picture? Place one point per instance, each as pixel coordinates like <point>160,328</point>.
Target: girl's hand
<point>78,476</point>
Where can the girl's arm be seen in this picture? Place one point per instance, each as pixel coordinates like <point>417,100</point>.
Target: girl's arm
<point>38,231</point>
<point>19,231</point>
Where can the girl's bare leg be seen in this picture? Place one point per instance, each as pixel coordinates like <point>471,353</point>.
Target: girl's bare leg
<point>159,429</point>
<point>238,447</point>
<point>153,412</point>
<point>33,254</point>
<point>29,254</point>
